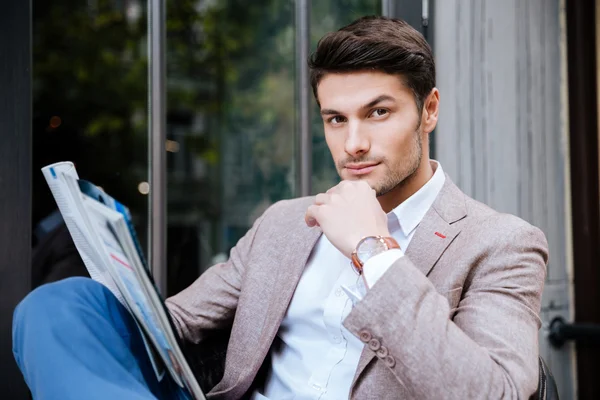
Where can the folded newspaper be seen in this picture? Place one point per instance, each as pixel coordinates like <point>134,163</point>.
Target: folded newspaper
<point>103,233</point>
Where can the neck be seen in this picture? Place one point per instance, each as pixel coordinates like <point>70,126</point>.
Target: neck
<point>407,187</point>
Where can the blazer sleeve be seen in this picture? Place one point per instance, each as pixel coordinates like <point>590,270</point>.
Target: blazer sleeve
<point>488,350</point>
<point>209,304</point>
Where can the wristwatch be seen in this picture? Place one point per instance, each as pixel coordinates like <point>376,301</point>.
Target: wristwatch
<point>369,247</point>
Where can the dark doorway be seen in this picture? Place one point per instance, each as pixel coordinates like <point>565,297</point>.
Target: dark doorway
<point>585,197</point>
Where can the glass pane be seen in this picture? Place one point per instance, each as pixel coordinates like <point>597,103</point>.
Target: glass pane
<point>328,16</point>
<point>230,125</point>
<point>89,107</point>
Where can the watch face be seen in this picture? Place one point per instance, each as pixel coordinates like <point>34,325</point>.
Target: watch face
<point>369,247</point>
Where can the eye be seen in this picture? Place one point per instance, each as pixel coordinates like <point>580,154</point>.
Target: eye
<point>336,120</point>
<point>379,112</point>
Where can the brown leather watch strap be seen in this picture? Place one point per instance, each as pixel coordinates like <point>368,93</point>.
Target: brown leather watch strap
<point>390,243</point>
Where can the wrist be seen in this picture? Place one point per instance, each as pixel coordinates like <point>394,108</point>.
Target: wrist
<point>355,239</point>
<point>371,246</point>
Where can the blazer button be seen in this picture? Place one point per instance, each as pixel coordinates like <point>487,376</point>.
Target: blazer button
<point>382,352</point>
<point>390,361</point>
<point>365,336</point>
<point>374,344</point>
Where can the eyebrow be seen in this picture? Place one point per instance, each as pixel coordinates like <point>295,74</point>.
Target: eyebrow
<point>372,103</point>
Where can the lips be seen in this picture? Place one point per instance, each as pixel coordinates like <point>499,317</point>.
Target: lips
<point>360,169</point>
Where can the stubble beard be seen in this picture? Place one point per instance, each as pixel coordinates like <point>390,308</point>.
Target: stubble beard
<point>402,173</point>
<point>399,174</point>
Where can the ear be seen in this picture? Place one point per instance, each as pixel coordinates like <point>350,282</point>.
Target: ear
<point>431,109</point>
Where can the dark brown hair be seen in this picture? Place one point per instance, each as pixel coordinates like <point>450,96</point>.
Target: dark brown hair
<point>377,44</point>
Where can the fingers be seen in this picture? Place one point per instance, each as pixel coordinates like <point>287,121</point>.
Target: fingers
<point>327,198</point>
<point>322,198</point>
<point>346,185</point>
<point>311,216</point>
<point>359,186</point>
<point>337,196</point>
<point>339,187</point>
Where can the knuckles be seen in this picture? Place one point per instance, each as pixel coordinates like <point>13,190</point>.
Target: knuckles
<point>335,198</point>
<point>344,189</point>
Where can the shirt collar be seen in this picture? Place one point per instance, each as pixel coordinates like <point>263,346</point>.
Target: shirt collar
<point>410,212</point>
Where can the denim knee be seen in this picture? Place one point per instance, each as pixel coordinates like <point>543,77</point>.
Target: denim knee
<point>46,298</point>
<point>39,310</point>
<point>41,305</point>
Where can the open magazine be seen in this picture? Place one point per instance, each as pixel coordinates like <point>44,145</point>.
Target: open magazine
<point>103,233</point>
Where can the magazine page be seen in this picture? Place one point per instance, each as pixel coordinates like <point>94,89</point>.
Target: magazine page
<point>60,178</point>
<point>93,191</point>
<point>125,277</point>
<point>67,203</point>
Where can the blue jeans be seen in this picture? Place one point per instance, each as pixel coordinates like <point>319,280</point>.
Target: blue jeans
<point>73,340</point>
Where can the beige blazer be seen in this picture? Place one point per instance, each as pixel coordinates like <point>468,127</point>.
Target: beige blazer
<point>456,318</point>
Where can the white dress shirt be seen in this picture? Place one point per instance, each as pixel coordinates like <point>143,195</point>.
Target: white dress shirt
<point>313,355</point>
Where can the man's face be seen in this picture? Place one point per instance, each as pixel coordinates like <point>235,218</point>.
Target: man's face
<point>372,127</point>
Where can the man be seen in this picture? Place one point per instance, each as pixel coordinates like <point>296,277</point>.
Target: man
<point>393,284</point>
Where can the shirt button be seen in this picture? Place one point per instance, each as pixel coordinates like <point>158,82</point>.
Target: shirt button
<point>337,339</point>
<point>316,387</point>
<point>338,292</point>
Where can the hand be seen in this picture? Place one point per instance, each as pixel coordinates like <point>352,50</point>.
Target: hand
<point>347,213</point>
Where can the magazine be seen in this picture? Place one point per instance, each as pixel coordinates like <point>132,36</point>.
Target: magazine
<point>103,233</point>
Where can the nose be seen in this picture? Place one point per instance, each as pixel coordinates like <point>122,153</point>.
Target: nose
<point>357,141</point>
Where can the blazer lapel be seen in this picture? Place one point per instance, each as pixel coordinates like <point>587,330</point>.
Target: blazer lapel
<point>433,235</point>
<point>299,246</point>
<point>288,253</point>
<point>437,229</point>
<point>431,238</point>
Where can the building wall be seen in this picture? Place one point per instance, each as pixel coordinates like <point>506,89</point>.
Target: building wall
<point>502,134</point>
